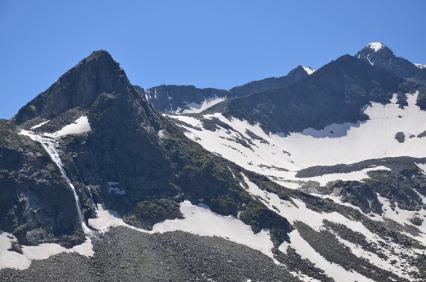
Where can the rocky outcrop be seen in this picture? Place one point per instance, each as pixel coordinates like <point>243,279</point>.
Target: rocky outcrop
<point>36,204</point>
<point>133,157</point>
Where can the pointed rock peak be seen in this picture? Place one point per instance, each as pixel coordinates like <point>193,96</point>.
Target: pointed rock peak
<point>99,54</point>
<point>101,60</point>
<point>78,87</point>
<point>374,49</point>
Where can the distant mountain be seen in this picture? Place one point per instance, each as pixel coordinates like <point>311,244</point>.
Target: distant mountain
<point>184,98</point>
<point>335,93</point>
<point>272,82</point>
<point>378,54</point>
<point>315,176</point>
<point>93,139</point>
<point>351,133</point>
<point>190,99</point>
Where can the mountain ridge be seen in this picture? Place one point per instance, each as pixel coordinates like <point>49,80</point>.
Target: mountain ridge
<point>307,202</point>
<point>335,93</point>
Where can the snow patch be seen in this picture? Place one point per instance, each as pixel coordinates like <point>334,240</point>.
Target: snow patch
<point>376,46</point>
<point>309,70</point>
<point>105,219</point>
<point>374,259</point>
<point>333,270</point>
<point>421,66</point>
<point>350,176</point>
<point>40,124</point>
<point>335,144</point>
<point>200,220</point>
<point>195,108</point>
<point>161,133</point>
<point>49,145</point>
<point>11,259</point>
<point>403,216</point>
<point>297,211</point>
<point>78,127</point>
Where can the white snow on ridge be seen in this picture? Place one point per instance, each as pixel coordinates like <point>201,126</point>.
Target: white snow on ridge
<point>376,46</point>
<point>195,108</point>
<point>79,126</point>
<point>309,70</point>
<point>421,66</point>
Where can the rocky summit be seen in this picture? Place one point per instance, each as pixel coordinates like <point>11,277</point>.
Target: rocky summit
<point>318,175</point>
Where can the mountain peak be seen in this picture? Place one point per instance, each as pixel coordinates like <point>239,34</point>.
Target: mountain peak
<point>99,54</point>
<point>373,49</point>
<point>78,87</point>
<point>379,55</point>
<point>375,46</point>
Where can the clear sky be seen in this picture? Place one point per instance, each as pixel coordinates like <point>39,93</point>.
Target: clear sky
<point>215,43</point>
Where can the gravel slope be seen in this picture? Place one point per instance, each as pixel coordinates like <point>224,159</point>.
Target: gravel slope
<point>126,255</point>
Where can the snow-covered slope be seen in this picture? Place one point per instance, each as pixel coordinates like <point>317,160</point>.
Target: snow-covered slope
<point>281,157</point>
<point>390,132</point>
<point>193,108</point>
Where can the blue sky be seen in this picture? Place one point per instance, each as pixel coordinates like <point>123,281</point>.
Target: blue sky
<point>220,43</point>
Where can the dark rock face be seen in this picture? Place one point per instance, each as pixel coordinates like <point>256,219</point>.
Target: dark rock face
<point>358,194</point>
<point>137,162</point>
<point>176,98</point>
<point>270,83</point>
<point>336,93</point>
<point>171,98</point>
<point>327,244</point>
<point>36,204</point>
<point>385,58</point>
<point>134,157</point>
<point>78,87</point>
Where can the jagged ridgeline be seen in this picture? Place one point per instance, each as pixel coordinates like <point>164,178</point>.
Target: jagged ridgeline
<point>121,153</point>
<point>189,99</point>
<point>316,175</point>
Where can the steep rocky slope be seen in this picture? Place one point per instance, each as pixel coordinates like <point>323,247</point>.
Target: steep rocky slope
<point>335,93</point>
<point>350,134</point>
<point>377,54</point>
<point>342,202</point>
<point>190,99</point>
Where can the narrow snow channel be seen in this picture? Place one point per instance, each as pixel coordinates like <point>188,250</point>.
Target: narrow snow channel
<point>49,146</point>
<point>337,272</point>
